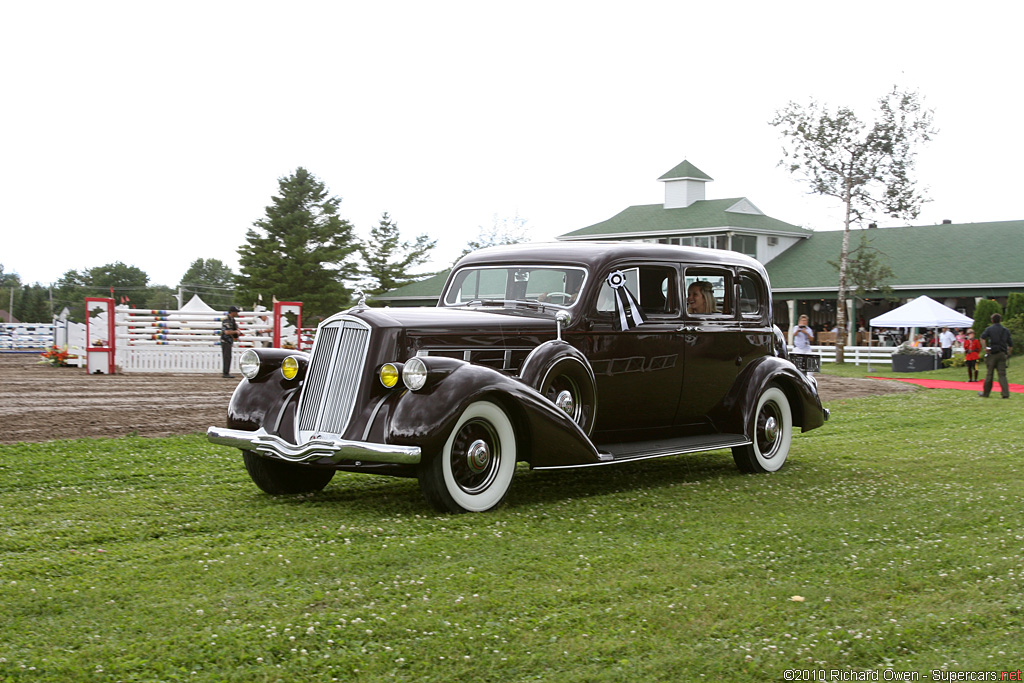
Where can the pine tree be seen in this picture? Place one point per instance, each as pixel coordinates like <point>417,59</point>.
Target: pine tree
<point>868,271</point>
<point>387,260</point>
<point>300,251</point>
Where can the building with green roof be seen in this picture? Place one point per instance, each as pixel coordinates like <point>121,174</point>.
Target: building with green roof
<point>687,218</point>
<point>955,263</point>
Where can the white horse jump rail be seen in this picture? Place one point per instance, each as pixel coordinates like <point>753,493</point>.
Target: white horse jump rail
<point>26,335</point>
<point>185,341</point>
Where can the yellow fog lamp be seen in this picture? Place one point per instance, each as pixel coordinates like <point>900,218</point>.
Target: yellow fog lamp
<point>290,367</point>
<point>390,374</point>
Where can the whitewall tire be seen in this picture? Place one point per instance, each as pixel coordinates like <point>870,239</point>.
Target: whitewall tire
<point>473,472</point>
<point>771,433</point>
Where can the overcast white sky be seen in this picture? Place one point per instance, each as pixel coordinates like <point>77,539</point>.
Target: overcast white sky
<point>155,133</point>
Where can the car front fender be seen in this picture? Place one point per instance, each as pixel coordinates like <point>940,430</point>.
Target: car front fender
<point>546,435</point>
<point>268,400</point>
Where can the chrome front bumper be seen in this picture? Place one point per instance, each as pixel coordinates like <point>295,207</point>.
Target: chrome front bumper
<point>335,450</point>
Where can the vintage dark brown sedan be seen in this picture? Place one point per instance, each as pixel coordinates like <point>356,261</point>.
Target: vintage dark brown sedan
<point>557,355</point>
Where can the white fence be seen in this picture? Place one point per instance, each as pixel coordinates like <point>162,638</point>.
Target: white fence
<point>14,336</point>
<point>70,335</point>
<point>857,355</point>
<point>175,359</point>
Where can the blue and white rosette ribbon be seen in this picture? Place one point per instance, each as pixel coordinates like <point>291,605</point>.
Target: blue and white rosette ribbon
<point>627,309</point>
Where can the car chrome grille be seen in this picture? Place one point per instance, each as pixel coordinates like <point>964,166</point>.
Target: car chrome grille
<point>332,381</point>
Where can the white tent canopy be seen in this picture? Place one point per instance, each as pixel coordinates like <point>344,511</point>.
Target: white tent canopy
<point>922,312</point>
<point>196,305</point>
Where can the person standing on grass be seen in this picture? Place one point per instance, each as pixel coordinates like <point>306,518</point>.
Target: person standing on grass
<point>972,351</point>
<point>946,340</point>
<point>228,335</point>
<point>999,345</point>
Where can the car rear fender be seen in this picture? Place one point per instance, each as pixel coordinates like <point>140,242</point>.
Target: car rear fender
<point>800,389</point>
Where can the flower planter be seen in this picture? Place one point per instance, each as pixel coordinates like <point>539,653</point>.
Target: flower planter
<point>906,363</point>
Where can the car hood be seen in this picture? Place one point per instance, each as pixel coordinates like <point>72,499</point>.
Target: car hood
<point>413,320</point>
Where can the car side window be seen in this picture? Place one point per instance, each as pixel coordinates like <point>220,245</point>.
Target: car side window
<point>653,286</point>
<point>708,292</point>
<point>750,296</point>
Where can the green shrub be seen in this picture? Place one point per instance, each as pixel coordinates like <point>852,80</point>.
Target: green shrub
<point>1016,327</point>
<point>983,315</point>
<point>1014,305</point>
<point>957,361</point>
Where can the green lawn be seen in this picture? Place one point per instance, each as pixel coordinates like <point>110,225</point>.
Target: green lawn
<point>893,538</point>
<point>1014,371</point>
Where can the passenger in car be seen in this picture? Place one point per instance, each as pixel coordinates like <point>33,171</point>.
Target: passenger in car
<point>700,298</point>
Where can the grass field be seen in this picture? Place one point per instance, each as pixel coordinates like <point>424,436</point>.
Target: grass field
<point>892,539</point>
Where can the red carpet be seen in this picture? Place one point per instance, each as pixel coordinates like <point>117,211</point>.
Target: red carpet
<point>952,384</point>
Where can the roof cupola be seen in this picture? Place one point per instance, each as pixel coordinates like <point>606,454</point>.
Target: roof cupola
<point>684,185</point>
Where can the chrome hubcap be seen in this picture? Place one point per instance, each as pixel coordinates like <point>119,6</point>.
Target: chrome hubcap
<point>478,456</point>
<point>771,429</point>
<point>565,401</point>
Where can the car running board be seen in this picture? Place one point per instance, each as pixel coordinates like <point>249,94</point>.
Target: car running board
<point>658,448</point>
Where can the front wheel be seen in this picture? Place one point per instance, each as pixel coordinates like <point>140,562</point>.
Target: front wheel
<point>277,477</point>
<point>772,434</point>
<point>474,470</point>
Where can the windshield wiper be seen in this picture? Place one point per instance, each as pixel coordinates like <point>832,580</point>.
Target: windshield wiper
<point>536,305</point>
<point>480,302</point>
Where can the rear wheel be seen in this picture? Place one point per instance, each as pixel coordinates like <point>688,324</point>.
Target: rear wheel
<point>277,477</point>
<point>772,434</point>
<point>474,470</point>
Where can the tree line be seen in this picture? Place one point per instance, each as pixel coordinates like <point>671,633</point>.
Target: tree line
<point>300,250</point>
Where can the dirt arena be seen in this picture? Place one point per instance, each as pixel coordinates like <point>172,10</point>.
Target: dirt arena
<point>40,403</point>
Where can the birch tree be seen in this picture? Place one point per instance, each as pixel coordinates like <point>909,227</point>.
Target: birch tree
<point>867,166</point>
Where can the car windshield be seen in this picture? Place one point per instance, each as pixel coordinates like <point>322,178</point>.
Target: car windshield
<point>550,285</point>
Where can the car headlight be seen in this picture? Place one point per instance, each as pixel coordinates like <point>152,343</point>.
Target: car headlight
<point>389,374</point>
<point>290,367</point>
<point>414,374</point>
<point>249,363</point>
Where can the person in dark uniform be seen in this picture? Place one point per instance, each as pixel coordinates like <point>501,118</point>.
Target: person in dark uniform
<point>228,335</point>
<point>999,344</point>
